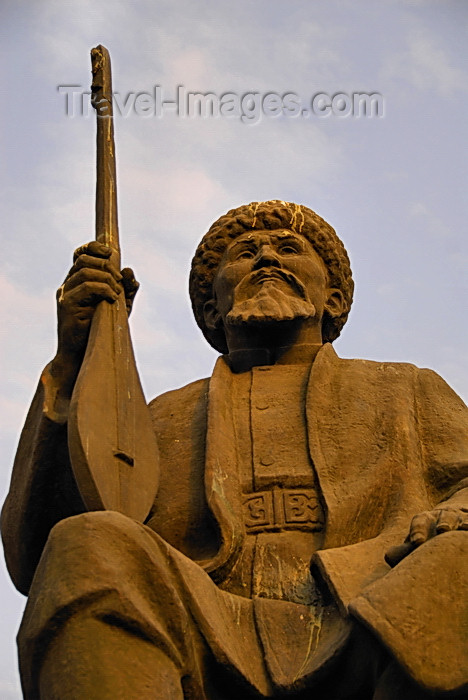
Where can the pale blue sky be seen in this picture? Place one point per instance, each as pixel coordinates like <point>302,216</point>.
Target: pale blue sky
<point>394,187</point>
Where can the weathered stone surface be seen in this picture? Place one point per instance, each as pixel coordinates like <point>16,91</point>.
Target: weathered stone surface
<point>284,480</point>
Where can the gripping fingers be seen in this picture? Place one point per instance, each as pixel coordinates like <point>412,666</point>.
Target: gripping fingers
<point>93,248</point>
<point>448,519</point>
<point>422,528</point>
<point>464,519</point>
<point>130,286</point>
<point>129,282</point>
<point>427,525</point>
<point>92,275</point>
<point>431,523</point>
<point>90,294</point>
<point>93,263</point>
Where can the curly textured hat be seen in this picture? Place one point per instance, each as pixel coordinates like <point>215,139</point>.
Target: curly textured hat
<point>274,214</point>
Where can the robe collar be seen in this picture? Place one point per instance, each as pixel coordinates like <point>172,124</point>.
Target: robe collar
<point>222,483</point>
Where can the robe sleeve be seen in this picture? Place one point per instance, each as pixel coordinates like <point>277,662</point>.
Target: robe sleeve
<point>441,432</point>
<point>419,609</point>
<point>42,489</point>
<point>443,429</point>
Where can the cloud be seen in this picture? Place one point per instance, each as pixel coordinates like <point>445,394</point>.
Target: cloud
<point>10,690</point>
<point>167,200</point>
<point>434,226</point>
<point>26,347</point>
<point>373,179</point>
<point>427,65</point>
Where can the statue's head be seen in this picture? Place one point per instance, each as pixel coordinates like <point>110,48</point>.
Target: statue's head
<point>270,261</point>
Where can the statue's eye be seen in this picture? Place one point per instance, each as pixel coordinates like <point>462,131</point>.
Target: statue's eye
<point>289,249</point>
<point>244,254</point>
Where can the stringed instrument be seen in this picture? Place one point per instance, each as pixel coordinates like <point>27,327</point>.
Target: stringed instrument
<point>112,444</point>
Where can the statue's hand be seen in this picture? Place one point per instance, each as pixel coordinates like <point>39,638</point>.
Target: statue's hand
<point>444,518</point>
<point>92,279</point>
<point>131,287</point>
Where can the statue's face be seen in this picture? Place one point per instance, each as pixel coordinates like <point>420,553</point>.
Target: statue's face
<point>269,276</point>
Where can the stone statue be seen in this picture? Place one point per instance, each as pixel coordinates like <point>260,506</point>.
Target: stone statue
<point>285,480</point>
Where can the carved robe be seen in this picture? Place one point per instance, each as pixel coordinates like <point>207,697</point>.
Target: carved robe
<point>386,441</point>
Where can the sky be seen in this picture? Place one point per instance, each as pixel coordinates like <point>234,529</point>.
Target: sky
<point>393,185</point>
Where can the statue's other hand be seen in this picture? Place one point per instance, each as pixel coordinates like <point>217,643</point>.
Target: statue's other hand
<point>92,278</point>
<point>426,525</point>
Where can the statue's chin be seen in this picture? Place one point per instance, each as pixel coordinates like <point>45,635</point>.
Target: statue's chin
<point>273,306</point>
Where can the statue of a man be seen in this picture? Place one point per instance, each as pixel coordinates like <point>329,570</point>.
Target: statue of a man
<point>285,478</point>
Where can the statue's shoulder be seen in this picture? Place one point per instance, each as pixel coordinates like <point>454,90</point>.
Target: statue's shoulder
<point>370,367</point>
<point>184,400</point>
<point>377,366</point>
<point>425,381</point>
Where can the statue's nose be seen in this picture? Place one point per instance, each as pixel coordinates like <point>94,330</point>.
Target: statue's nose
<point>266,257</point>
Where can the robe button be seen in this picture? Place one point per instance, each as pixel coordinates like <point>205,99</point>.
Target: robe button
<point>267,461</point>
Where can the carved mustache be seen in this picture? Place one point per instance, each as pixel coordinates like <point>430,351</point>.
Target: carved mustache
<point>265,273</point>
